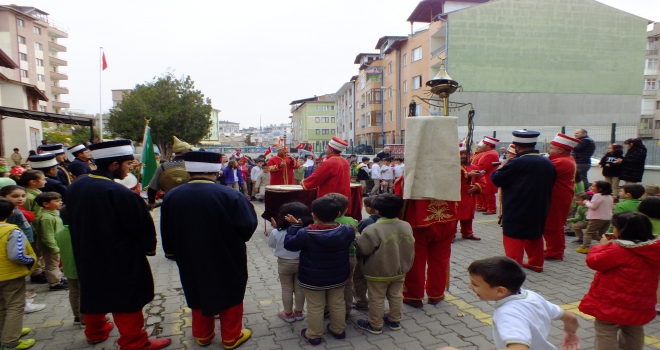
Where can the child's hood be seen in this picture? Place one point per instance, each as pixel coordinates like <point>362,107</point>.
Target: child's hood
<point>649,250</point>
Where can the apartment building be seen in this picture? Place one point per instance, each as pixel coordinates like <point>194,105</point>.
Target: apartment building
<point>649,126</point>
<point>313,120</point>
<point>344,111</point>
<point>519,62</point>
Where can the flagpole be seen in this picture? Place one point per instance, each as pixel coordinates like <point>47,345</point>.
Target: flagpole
<point>100,94</point>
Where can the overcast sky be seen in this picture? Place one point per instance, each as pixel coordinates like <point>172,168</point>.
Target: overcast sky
<point>251,57</point>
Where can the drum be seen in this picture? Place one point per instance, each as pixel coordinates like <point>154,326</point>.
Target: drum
<point>129,181</point>
<point>278,195</point>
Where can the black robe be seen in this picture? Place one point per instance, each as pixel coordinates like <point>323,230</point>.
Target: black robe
<point>526,183</point>
<point>53,185</point>
<point>63,176</point>
<point>204,226</point>
<point>78,167</point>
<point>112,233</point>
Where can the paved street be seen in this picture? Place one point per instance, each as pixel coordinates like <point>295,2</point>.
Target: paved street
<point>461,320</point>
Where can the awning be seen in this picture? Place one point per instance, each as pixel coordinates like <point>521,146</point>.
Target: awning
<point>45,117</point>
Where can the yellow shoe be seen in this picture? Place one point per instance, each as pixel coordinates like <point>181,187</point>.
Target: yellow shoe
<point>583,250</point>
<point>245,335</point>
<point>24,344</point>
<point>25,331</point>
<point>205,341</point>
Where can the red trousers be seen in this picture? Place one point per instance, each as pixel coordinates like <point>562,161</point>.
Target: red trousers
<point>131,334</point>
<point>480,201</point>
<point>466,227</point>
<point>490,204</point>
<point>515,248</point>
<point>555,243</point>
<point>231,322</point>
<point>432,248</point>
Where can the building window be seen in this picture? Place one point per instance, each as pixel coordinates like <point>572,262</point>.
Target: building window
<point>417,54</point>
<point>318,131</point>
<point>20,22</point>
<point>652,63</point>
<point>317,107</point>
<point>325,108</point>
<point>37,30</point>
<point>657,104</point>
<point>332,131</point>
<point>22,56</point>
<point>332,108</point>
<point>389,67</point>
<point>405,112</point>
<point>332,120</point>
<point>391,118</point>
<point>326,131</point>
<point>42,108</point>
<point>21,40</point>
<point>417,82</point>
<point>650,84</point>
<point>24,73</point>
<point>40,62</point>
<point>38,47</point>
<point>41,77</point>
<point>405,86</point>
<point>405,59</point>
<point>326,119</point>
<point>317,119</point>
<point>657,124</point>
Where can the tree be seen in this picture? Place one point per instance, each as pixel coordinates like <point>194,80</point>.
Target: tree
<point>248,140</point>
<point>173,107</point>
<point>59,134</point>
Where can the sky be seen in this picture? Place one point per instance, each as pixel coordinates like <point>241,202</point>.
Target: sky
<point>251,57</point>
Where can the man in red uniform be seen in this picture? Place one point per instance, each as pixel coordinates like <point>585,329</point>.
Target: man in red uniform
<point>484,161</point>
<point>562,195</point>
<point>334,174</point>
<point>465,211</point>
<point>281,167</point>
<point>434,226</point>
<point>478,198</point>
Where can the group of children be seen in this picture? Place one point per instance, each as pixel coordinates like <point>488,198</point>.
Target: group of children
<point>379,173</point>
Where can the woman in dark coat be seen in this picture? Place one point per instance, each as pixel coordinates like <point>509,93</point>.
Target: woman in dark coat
<point>611,170</point>
<point>632,164</point>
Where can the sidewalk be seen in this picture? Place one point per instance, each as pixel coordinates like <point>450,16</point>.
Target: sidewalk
<point>461,321</point>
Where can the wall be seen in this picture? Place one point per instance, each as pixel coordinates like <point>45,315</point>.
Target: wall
<point>16,132</point>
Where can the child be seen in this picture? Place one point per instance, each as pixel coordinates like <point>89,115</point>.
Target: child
<point>384,262</point>
<point>324,267</point>
<point>63,238</point>
<point>579,222</point>
<point>373,216</point>
<point>623,293</point>
<point>263,180</point>
<point>47,224</point>
<point>375,176</point>
<point>398,168</point>
<point>651,191</point>
<point>359,282</point>
<point>578,187</point>
<point>387,175</point>
<point>347,220</point>
<point>363,174</point>
<point>254,175</point>
<point>650,207</point>
<point>522,318</point>
<point>233,176</point>
<point>599,213</point>
<point>32,181</point>
<point>629,197</point>
<point>17,260</point>
<point>287,261</point>
<point>309,168</point>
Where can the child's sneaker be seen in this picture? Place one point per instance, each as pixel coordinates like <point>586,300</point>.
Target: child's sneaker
<point>395,326</point>
<point>578,241</point>
<point>287,318</point>
<point>313,342</point>
<point>30,308</point>
<point>25,331</point>
<point>299,315</point>
<point>60,286</point>
<point>340,336</point>
<point>583,250</point>
<point>364,324</point>
<point>22,344</point>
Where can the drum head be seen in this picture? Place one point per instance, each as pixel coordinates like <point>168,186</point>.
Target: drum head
<point>356,185</point>
<point>284,188</point>
<point>129,181</point>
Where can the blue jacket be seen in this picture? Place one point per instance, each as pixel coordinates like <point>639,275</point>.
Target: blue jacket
<point>323,255</point>
<point>228,173</point>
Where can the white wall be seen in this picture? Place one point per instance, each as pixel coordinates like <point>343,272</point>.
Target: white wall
<point>16,132</point>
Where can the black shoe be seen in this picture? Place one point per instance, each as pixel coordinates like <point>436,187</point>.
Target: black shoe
<point>38,279</point>
<point>364,324</point>
<point>61,286</point>
<point>570,233</point>
<point>395,326</point>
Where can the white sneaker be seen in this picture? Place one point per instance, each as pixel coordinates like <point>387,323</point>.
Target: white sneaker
<point>30,308</point>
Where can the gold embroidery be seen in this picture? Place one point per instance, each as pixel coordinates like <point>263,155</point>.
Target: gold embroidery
<point>438,211</point>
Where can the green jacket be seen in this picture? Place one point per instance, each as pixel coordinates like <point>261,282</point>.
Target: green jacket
<point>577,188</point>
<point>30,203</point>
<point>299,173</point>
<point>63,238</point>
<point>349,221</point>
<point>47,225</point>
<point>580,215</point>
<point>656,226</point>
<point>628,204</point>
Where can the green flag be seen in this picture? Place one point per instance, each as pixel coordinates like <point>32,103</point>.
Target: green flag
<point>148,158</point>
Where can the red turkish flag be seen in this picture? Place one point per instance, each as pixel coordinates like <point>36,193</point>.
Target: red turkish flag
<point>309,147</point>
<point>105,63</point>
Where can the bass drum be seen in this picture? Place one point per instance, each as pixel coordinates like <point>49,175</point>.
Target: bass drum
<point>130,181</point>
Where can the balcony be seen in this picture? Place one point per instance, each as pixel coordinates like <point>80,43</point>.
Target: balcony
<point>646,133</point>
<point>438,50</point>
<point>59,90</point>
<point>56,47</point>
<point>651,52</point>
<point>59,104</point>
<point>54,61</point>
<point>58,76</point>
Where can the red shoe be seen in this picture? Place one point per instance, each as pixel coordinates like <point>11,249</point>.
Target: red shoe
<point>490,212</point>
<point>107,328</point>
<point>548,257</point>
<point>472,237</point>
<point>157,343</point>
<point>435,301</point>
<point>414,303</point>
<point>533,268</point>
<point>481,209</point>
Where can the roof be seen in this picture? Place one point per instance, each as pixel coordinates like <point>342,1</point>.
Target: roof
<point>29,88</point>
<point>427,10</point>
<point>6,61</point>
<point>309,99</point>
<point>45,117</point>
<point>360,55</point>
<point>396,45</point>
<point>385,38</point>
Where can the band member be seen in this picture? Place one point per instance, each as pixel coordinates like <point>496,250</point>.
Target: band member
<point>466,207</point>
<point>112,233</point>
<point>562,195</point>
<point>178,148</point>
<point>281,167</point>
<point>524,212</point>
<point>212,258</point>
<point>484,161</point>
<point>63,175</point>
<point>80,165</point>
<point>48,165</point>
<point>334,174</point>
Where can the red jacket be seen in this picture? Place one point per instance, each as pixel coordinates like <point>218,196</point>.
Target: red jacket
<point>465,210</point>
<point>333,176</point>
<point>422,213</point>
<point>562,191</point>
<point>484,161</point>
<point>283,175</point>
<point>626,280</point>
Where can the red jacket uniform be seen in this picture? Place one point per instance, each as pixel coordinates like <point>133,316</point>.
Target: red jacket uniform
<point>484,161</point>
<point>562,191</point>
<point>283,175</point>
<point>333,176</point>
<point>465,210</point>
<point>420,213</point>
<point>626,280</point>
